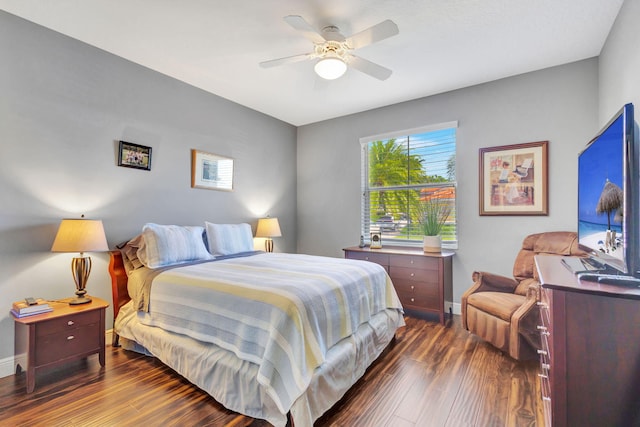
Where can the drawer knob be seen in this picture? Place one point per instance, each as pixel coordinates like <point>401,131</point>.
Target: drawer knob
<point>70,323</point>
<point>413,300</point>
<point>542,352</point>
<point>412,287</point>
<point>366,258</point>
<point>411,261</point>
<point>70,337</point>
<point>413,274</point>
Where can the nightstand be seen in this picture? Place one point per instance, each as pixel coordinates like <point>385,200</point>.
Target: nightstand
<point>67,333</point>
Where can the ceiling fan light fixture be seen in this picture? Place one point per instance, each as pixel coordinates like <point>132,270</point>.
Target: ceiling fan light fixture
<point>330,68</point>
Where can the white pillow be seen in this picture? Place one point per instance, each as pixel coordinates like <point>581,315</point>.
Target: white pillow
<point>171,244</point>
<point>229,239</point>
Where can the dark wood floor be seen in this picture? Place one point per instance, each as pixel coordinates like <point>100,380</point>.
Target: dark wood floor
<point>432,375</point>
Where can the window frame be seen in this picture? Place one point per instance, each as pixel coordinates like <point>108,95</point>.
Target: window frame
<point>365,211</point>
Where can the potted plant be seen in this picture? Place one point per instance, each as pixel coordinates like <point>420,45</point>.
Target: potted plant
<point>433,215</point>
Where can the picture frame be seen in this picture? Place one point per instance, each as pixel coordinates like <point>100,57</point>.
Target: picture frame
<point>514,179</point>
<point>211,171</point>
<point>135,156</point>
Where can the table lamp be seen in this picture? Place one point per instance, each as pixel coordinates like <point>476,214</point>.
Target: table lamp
<point>80,235</point>
<point>268,227</point>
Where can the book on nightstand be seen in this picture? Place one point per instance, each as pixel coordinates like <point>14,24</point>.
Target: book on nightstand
<point>21,308</point>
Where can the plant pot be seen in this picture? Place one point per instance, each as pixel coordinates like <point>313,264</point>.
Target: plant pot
<point>432,243</point>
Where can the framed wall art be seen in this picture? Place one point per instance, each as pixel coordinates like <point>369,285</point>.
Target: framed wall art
<point>514,179</point>
<point>211,171</point>
<point>132,155</point>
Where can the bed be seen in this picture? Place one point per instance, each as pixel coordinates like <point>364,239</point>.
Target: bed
<point>274,336</point>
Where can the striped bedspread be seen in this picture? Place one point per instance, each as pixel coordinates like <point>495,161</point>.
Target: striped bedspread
<point>279,311</point>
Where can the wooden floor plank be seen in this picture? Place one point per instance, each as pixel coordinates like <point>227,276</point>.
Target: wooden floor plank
<point>432,375</point>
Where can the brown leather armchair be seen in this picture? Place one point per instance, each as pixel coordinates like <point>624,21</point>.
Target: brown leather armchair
<point>504,310</point>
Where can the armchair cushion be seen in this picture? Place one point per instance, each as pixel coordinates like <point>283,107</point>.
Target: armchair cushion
<point>499,304</point>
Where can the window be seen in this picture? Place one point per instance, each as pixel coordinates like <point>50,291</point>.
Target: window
<point>404,173</point>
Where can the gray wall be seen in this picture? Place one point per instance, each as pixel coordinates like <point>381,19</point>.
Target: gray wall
<point>63,107</point>
<point>557,104</point>
<point>620,64</point>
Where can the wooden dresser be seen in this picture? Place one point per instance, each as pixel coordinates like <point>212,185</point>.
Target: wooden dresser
<point>590,356</point>
<point>422,280</point>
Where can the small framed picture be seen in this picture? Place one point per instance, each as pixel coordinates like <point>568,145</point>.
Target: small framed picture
<point>211,171</point>
<point>376,241</point>
<point>136,156</point>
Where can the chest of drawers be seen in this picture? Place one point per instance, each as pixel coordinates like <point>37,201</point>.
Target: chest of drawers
<point>590,349</point>
<point>423,281</point>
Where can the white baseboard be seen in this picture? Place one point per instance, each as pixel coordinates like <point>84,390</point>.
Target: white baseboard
<point>455,306</point>
<point>7,365</point>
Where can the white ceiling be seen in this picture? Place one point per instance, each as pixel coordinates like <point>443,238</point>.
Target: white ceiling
<point>216,45</point>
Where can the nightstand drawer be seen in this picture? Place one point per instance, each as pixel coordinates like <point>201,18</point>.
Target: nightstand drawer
<point>67,323</point>
<point>58,346</point>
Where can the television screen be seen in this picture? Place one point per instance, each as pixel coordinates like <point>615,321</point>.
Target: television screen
<point>606,201</point>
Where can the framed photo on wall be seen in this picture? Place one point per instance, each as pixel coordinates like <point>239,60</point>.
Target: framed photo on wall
<point>132,155</point>
<point>514,179</point>
<point>211,171</point>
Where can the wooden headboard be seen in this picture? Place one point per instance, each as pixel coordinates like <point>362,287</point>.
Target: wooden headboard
<point>119,289</point>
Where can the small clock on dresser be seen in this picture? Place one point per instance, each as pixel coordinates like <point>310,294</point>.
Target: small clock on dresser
<point>376,240</point>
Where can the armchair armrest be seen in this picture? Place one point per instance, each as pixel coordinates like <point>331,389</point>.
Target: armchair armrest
<point>490,282</point>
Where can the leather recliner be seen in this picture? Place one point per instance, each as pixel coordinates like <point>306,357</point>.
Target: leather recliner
<point>504,310</point>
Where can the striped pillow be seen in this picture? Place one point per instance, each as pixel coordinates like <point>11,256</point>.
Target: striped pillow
<point>229,239</point>
<point>171,244</point>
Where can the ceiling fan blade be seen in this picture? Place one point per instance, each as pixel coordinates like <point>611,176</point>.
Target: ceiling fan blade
<point>285,60</point>
<point>370,68</point>
<point>299,23</point>
<point>374,34</point>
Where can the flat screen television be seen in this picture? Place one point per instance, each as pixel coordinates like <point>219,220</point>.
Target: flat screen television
<point>609,198</point>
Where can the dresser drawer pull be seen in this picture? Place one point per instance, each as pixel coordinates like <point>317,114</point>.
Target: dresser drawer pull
<point>70,337</point>
<point>366,258</point>
<point>543,352</point>
<point>413,300</point>
<point>413,287</point>
<point>411,261</point>
<point>70,323</point>
<point>413,274</point>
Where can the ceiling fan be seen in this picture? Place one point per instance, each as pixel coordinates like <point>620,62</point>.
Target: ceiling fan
<point>333,50</point>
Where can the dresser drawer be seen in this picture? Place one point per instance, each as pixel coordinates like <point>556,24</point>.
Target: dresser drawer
<point>426,278</point>
<point>67,323</point>
<point>420,301</point>
<point>417,262</point>
<point>382,259</point>
<point>60,345</point>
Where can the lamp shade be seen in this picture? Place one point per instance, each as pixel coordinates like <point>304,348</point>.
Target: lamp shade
<point>80,235</point>
<point>330,68</point>
<point>268,227</point>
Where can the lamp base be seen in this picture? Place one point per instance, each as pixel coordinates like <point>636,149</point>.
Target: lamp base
<point>80,300</point>
<point>268,245</point>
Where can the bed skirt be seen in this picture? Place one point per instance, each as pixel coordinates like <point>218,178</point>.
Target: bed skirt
<point>232,382</point>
